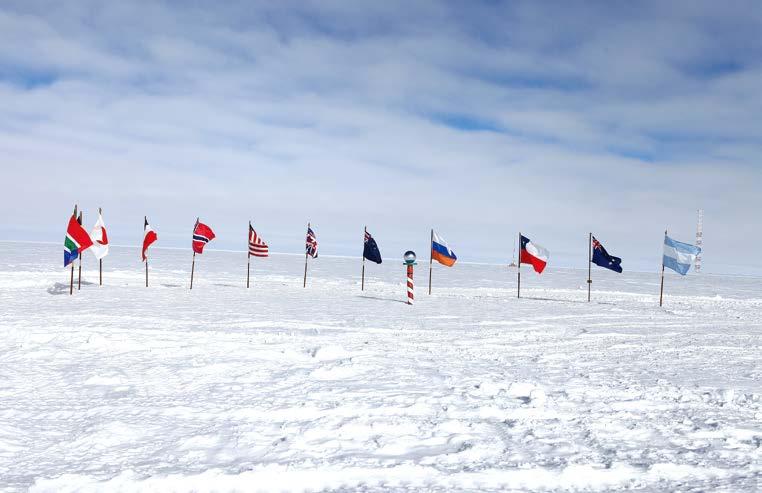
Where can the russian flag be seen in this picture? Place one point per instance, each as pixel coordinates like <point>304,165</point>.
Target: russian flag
<point>441,252</point>
<point>534,254</point>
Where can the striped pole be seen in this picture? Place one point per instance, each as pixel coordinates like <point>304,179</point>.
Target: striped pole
<point>410,284</point>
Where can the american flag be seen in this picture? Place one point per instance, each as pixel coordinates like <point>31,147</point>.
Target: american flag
<point>257,247</point>
<point>311,243</point>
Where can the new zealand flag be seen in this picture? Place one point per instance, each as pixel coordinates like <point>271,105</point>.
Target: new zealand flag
<point>370,249</point>
<point>602,258</point>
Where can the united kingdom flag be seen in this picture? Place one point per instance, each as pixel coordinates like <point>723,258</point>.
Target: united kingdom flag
<point>311,243</point>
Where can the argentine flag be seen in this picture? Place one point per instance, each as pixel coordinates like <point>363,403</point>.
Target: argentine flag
<point>679,256</point>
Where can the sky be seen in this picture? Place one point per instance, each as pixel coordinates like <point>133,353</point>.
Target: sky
<point>478,119</point>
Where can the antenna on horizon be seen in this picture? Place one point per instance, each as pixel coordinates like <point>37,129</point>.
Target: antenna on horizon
<point>699,237</point>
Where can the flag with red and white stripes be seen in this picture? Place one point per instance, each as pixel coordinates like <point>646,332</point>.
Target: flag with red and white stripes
<point>257,247</point>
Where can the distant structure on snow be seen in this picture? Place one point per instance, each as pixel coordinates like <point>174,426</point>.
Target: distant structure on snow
<point>699,237</point>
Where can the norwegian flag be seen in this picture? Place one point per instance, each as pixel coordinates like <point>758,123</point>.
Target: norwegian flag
<point>202,234</point>
<point>257,247</point>
<point>311,243</point>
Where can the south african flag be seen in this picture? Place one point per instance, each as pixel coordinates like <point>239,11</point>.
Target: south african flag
<point>77,240</point>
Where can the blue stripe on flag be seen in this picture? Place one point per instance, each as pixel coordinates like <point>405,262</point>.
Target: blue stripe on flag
<point>682,247</point>
<point>676,266</point>
<point>443,250</point>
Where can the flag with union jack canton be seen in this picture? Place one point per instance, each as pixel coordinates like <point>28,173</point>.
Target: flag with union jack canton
<point>311,243</point>
<point>370,249</point>
<point>602,258</point>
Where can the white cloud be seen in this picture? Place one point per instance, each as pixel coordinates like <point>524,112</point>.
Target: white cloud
<point>334,113</point>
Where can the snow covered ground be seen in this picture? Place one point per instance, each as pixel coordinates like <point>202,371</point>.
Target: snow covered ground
<point>123,388</point>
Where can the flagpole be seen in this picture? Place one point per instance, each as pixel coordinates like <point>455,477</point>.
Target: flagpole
<point>518,288</point>
<point>661,289</point>
<point>589,266</point>
<point>362,282</point>
<point>304,285</point>
<point>100,260</point>
<point>248,256</point>
<point>79,278</point>
<point>145,221</point>
<point>193,264</point>
<point>193,267</point>
<point>71,281</point>
<point>431,259</point>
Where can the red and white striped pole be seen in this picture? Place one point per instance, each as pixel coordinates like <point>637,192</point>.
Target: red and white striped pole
<point>410,284</point>
<point>409,262</point>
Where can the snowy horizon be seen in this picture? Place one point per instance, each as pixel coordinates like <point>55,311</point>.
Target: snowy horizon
<point>479,119</point>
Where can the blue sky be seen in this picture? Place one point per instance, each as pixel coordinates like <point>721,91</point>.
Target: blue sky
<point>477,118</point>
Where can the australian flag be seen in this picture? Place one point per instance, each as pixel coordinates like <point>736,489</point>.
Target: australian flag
<point>602,258</point>
<point>370,249</point>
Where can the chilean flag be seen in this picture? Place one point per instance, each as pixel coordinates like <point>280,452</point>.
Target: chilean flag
<point>202,234</point>
<point>532,253</point>
<point>149,236</point>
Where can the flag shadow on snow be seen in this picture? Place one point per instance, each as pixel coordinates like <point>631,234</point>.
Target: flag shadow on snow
<point>61,288</point>
<point>566,301</point>
<point>369,298</point>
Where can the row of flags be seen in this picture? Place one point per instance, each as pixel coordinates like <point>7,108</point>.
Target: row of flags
<point>677,256</point>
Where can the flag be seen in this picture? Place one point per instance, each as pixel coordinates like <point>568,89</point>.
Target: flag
<point>679,256</point>
<point>441,252</point>
<point>149,236</point>
<point>370,249</point>
<point>99,237</point>
<point>257,247</point>
<point>202,234</point>
<point>77,240</point>
<point>311,244</point>
<point>532,253</point>
<point>602,258</point>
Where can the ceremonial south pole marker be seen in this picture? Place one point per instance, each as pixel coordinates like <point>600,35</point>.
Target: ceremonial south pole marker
<point>409,262</point>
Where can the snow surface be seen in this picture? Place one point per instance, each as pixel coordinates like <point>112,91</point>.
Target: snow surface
<point>123,388</point>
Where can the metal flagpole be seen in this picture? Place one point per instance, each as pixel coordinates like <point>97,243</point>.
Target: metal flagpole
<point>431,259</point>
<point>304,285</point>
<point>248,256</point>
<point>100,261</point>
<point>362,282</point>
<point>589,266</point>
<point>145,222</point>
<point>79,278</point>
<point>661,289</point>
<point>71,281</point>
<point>518,288</point>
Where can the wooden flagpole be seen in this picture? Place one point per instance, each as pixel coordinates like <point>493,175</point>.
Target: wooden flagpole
<point>145,221</point>
<point>193,264</point>
<point>100,261</point>
<point>661,289</point>
<point>362,282</point>
<point>248,255</point>
<point>79,278</point>
<point>431,255</point>
<point>589,264</point>
<point>518,293</point>
<point>304,285</point>
<point>71,281</point>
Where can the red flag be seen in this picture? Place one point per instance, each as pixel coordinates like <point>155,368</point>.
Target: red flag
<point>202,234</point>
<point>77,240</point>
<point>149,236</point>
